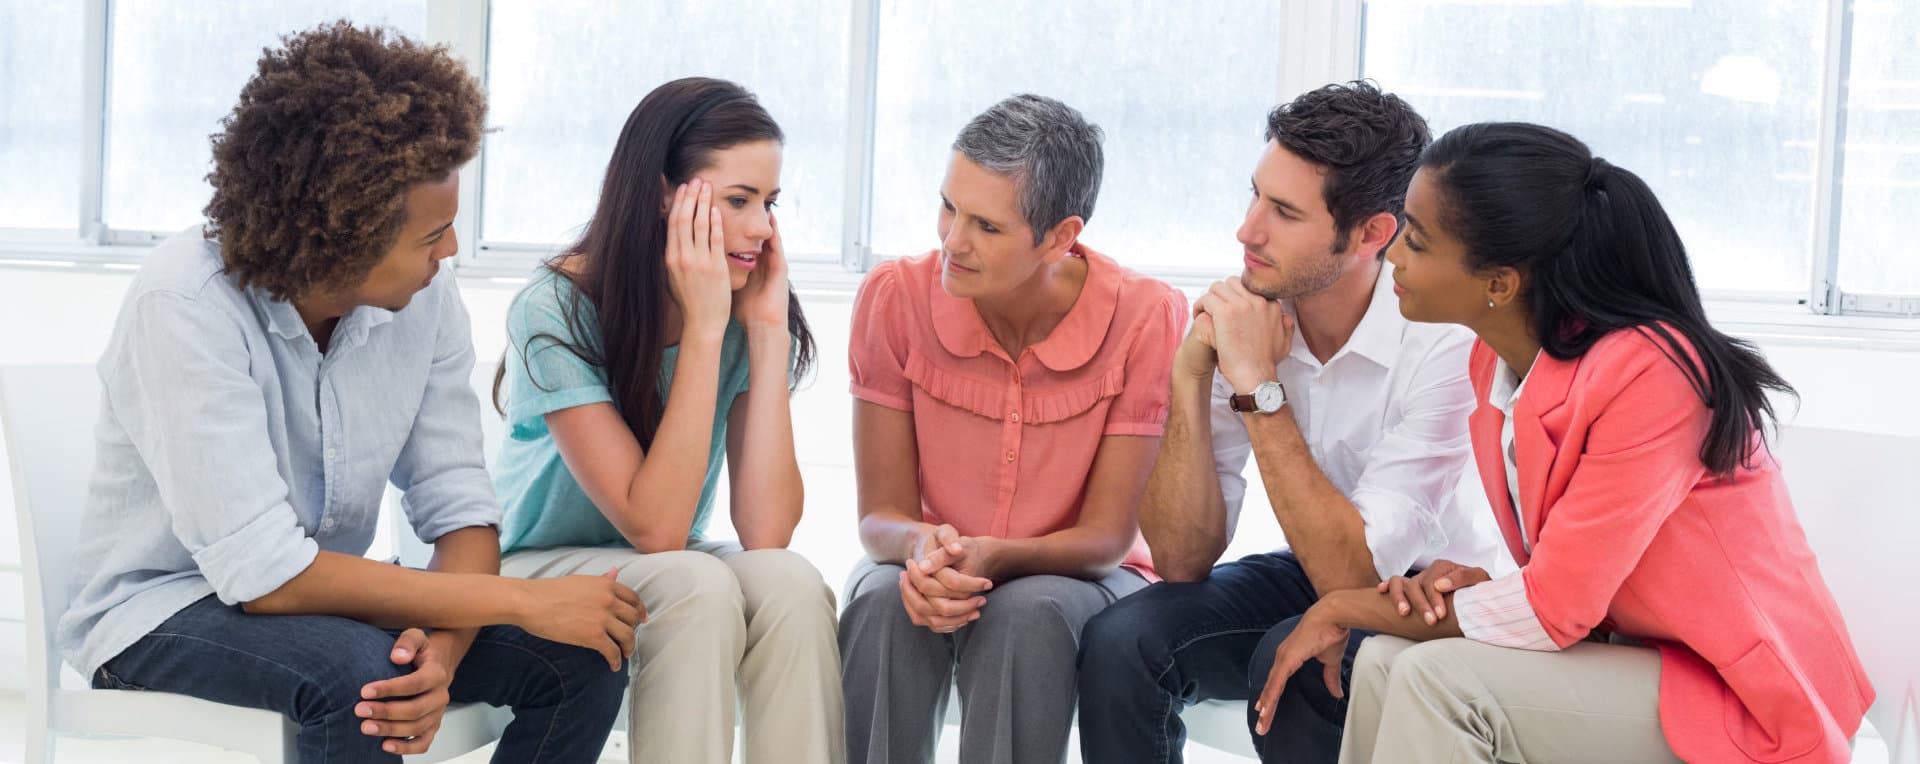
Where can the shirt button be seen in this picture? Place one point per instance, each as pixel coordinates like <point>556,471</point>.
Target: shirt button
<point>1015,417</point>
<point>1009,456</point>
<point>329,454</point>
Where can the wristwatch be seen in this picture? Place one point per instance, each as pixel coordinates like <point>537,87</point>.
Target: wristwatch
<point>1266,398</point>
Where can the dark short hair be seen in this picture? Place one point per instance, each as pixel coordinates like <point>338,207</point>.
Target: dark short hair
<point>311,169</point>
<point>1369,141</point>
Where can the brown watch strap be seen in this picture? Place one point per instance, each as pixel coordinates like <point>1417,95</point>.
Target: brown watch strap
<point>1242,403</point>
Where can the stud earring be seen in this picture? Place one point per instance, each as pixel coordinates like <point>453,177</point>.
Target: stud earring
<point>1489,303</point>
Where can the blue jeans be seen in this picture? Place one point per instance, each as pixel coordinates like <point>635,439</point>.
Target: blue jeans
<point>1149,656</point>
<point>310,668</point>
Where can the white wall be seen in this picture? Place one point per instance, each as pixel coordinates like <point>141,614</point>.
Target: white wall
<point>64,316</point>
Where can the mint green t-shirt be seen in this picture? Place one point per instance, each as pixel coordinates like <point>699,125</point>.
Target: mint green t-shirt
<point>544,505</point>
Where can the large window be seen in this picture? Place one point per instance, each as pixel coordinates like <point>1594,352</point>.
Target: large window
<point>41,109</point>
<point>177,68</point>
<point>1880,189</point>
<point>1181,91</point>
<point>1714,103</point>
<point>1779,133</point>
<point>562,79</point>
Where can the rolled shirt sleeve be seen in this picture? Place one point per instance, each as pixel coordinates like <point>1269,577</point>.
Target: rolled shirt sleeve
<point>441,469</point>
<point>1411,473</point>
<point>183,394</point>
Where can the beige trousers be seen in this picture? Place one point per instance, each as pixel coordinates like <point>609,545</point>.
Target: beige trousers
<point>1457,700</point>
<point>723,624</point>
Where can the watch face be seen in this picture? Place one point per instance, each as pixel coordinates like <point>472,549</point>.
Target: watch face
<point>1269,397</point>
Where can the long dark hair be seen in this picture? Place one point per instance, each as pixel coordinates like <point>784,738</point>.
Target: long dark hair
<point>1599,255</point>
<point>672,134</point>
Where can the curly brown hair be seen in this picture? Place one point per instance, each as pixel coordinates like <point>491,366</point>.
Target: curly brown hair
<point>311,170</point>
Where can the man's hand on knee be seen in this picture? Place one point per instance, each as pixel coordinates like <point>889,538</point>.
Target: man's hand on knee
<point>407,710</point>
<point>595,612</point>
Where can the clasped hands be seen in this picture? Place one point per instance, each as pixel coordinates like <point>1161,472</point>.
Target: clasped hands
<point>946,579</point>
<point>1242,334</point>
<point>1322,634</point>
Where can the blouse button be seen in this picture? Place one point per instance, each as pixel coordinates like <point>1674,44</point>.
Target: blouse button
<point>1009,456</point>
<point>1015,417</point>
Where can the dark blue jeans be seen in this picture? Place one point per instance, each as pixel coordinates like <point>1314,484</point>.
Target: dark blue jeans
<point>1147,657</point>
<point>311,669</point>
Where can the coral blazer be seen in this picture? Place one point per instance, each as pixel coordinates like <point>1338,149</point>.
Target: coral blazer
<point>1634,536</point>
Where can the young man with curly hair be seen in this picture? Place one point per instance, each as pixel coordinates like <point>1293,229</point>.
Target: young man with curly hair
<point>1356,418</point>
<point>266,378</point>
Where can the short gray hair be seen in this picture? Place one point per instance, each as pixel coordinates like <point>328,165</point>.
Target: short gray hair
<point>1048,148</point>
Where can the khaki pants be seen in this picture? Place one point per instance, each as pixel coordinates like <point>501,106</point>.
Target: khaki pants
<point>723,624</point>
<point>1457,700</point>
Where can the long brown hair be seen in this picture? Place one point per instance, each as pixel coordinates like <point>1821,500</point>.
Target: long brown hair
<point>672,134</point>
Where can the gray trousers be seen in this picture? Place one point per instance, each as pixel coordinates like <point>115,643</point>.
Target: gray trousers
<point>1015,667</point>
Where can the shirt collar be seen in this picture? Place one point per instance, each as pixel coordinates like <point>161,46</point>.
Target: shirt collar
<point>354,327</point>
<point>284,320</point>
<point>1069,346</point>
<point>1504,393</point>
<point>1376,338</point>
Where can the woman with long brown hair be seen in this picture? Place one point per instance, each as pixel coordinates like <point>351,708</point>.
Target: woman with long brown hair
<point>660,345</point>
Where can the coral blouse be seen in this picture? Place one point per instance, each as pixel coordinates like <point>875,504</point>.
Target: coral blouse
<point>1006,444</point>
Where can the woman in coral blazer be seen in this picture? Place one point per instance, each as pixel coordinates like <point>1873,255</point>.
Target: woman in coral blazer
<point>1667,606</point>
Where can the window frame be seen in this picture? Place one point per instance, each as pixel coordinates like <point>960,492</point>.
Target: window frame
<point>1320,42</point>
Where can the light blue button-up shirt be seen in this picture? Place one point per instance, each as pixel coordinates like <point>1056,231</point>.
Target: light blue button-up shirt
<point>229,450</point>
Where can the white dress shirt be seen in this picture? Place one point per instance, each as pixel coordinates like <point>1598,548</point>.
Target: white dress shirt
<point>1386,420</point>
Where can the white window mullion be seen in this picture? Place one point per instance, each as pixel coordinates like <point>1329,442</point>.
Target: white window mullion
<point>1319,44</point>
<point>93,122</point>
<point>863,53</point>
<point>461,25</point>
<point>1825,296</point>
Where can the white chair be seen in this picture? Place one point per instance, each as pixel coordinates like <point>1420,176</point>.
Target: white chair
<point>1854,497</point>
<point>46,416</point>
<point>1220,724</point>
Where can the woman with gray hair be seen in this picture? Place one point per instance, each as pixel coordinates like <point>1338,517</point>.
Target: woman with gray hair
<point>1011,388</point>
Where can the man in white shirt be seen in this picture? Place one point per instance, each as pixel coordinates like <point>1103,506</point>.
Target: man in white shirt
<point>1356,418</point>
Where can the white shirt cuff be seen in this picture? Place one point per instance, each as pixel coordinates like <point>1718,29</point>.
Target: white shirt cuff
<point>1498,613</point>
